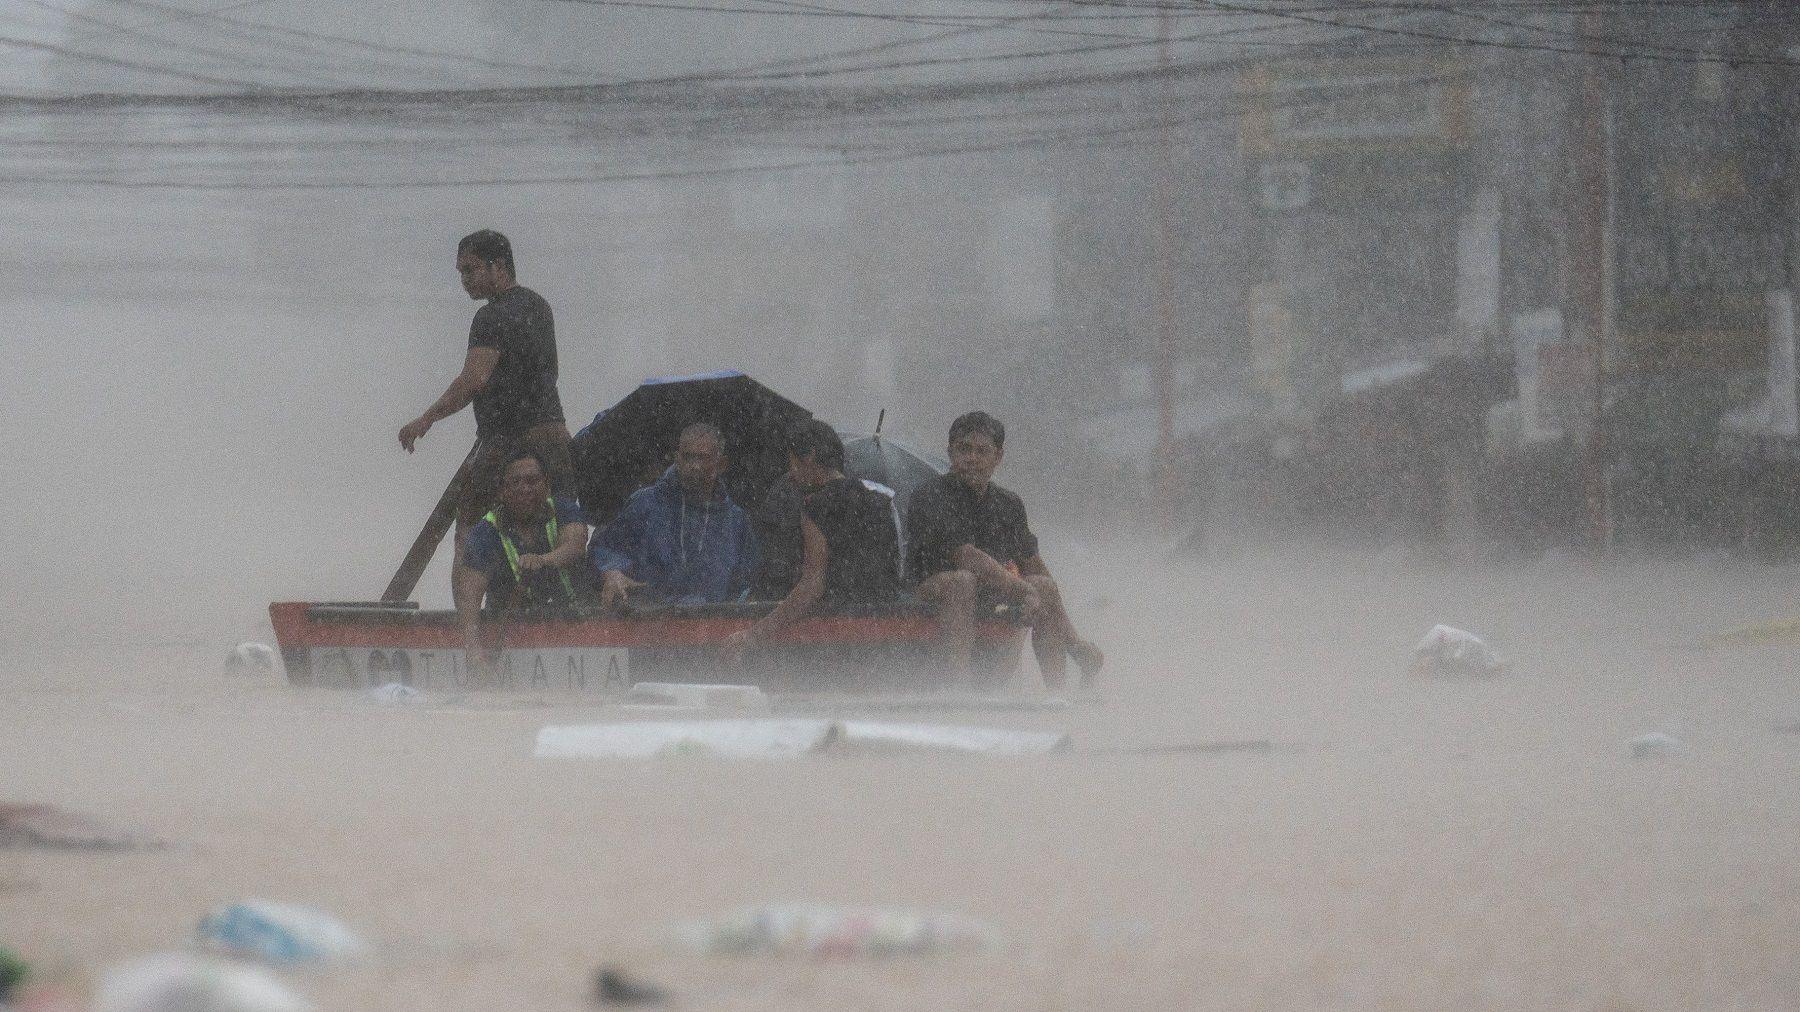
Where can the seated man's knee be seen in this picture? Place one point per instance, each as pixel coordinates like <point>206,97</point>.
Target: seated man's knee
<point>953,587</point>
<point>1044,585</point>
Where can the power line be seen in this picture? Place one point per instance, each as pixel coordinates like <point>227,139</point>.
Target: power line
<point>151,68</point>
<point>1047,138</point>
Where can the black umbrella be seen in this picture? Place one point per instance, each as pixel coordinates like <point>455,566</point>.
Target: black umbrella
<point>629,444</point>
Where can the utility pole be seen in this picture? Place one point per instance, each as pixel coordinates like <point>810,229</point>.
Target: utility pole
<point>1163,291</point>
<point>1587,287</point>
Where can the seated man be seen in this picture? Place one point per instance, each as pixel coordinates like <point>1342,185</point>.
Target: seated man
<point>849,550</point>
<point>525,553</point>
<point>682,539</point>
<point>968,537</point>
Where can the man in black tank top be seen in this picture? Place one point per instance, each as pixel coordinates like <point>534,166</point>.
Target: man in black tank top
<point>850,551</point>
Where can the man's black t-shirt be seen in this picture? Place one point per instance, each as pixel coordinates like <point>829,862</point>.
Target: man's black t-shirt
<point>858,524</point>
<point>947,513</point>
<point>522,391</point>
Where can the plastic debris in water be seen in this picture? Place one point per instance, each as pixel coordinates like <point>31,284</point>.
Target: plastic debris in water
<point>680,696</point>
<point>250,659</point>
<point>394,692</point>
<point>1656,743</point>
<point>782,738</point>
<point>1450,652</point>
<point>279,933</point>
<point>836,932</point>
<point>180,983</point>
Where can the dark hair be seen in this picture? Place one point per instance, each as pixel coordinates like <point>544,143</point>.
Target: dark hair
<point>519,455</point>
<point>489,247</point>
<point>979,423</point>
<point>818,440</point>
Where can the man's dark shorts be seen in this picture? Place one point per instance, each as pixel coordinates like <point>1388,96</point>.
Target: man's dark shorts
<point>482,482</point>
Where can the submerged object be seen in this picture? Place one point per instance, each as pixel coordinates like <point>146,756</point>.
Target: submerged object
<point>1654,744</point>
<point>677,696</point>
<point>646,739</point>
<point>176,982</point>
<point>250,659</point>
<point>281,933</point>
<point>782,738</point>
<point>1449,652</point>
<point>613,987</point>
<point>395,694</point>
<point>821,931</point>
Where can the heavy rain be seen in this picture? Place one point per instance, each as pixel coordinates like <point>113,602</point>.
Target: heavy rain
<point>1368,581</point>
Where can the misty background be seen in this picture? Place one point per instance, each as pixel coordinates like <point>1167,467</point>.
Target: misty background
<point>232,228</point>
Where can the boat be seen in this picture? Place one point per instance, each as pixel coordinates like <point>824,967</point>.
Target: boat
<point>365,644</point>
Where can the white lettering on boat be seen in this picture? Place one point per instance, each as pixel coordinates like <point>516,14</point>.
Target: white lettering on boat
<point>596,670</point>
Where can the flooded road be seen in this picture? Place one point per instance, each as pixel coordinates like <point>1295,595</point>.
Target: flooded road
<point>1409,843</point>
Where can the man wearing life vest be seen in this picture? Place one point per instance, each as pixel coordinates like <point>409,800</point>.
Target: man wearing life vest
<point>525,553</point>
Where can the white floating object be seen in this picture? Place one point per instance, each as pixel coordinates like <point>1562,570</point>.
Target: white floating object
<point>394,693</point>
<point>1656,743</point>
<point>250,659</point>
<point>279,933</point>
<point>1449,651</point>
<point>808,929</point>
<point>695,696</point>
<point>175,982</point>
<point>781,738</point>
<point>951,738</point>
<point>726,739</point>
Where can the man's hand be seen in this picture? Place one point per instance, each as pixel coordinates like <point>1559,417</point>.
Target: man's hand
<point>615,587</point>
<point>411,431</point>
<point>533,563</point>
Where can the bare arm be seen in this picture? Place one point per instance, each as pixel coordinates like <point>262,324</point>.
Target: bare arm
<point>478,368</point>
<point>806,592</point>
<point>571,545</point>
<point>469,586</point>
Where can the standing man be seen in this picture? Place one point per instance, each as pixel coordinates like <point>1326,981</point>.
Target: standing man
<point>968,538</point>
<point>509,374</point>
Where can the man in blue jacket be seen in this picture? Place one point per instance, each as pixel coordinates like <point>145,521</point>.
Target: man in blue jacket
<point>681,540</point>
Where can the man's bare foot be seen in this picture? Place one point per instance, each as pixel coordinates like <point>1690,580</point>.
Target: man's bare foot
<point>1088,658</point>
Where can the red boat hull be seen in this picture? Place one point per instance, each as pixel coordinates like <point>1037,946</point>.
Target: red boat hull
<point>359,645</point>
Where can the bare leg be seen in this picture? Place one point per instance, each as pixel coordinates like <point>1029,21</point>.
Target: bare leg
<point>1049,631</point>
<point>954,594</point>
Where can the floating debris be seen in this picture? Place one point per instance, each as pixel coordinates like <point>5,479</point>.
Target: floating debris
<point>1448,652</point>
<point>801,929</point>
<point>688,696</point>
<point>250,659</point>
<point>281,933</point>
<point>781,738</point>
<point>1654,744</point>
<point>613,987</point>
<point>46,827</point>
<point>175,982</point>
<point>395,694</point>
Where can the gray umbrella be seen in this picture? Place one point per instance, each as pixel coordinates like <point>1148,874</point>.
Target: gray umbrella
<point>899,467</point>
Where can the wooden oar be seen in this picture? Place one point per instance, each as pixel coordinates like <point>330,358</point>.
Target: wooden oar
<point>443,517</point>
